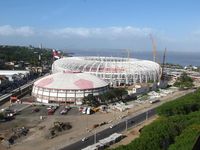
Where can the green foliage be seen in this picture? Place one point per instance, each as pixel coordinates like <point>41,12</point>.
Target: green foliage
<point>157,136</point>
<point>188,136</point>
<point>184,105</point>
<point>112,95</point>
<point>91,100</point>
<point>174,66</point>
<point>26,54</point>
<point>1,116</point>
<point>177,128</point>
<point>166,131</point>
<point>184,81</point>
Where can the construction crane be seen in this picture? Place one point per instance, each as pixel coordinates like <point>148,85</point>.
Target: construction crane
<point>163,66</point>
<point>154,47</point>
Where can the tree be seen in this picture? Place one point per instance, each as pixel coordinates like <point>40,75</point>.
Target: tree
<point>184,81</point>
<point>91,100</point>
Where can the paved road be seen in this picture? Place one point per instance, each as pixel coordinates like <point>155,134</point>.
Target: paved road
<point>5,96</point>
<point>116,129</point>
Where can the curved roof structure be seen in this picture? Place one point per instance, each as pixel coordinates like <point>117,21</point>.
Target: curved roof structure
<point>70,81</point>
<point>112,69</point>
<point>104,64</point>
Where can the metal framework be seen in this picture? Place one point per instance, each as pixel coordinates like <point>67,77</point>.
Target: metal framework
<point>114,70</point>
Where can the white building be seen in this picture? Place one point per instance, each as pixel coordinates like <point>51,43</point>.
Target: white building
<point>114,70</point>
<point>69,87</point>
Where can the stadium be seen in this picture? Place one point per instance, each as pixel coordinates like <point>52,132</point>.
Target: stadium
<point>67,87</point>
<point>114,70</point>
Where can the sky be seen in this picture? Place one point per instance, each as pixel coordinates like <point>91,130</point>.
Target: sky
<point>101,24</point>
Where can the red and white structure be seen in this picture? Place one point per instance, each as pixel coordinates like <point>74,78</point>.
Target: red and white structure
<point>56,54</point>
<point>67,87</point>
<point>115,70</point>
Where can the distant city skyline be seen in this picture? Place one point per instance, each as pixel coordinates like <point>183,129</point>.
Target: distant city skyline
<point>101,24</point>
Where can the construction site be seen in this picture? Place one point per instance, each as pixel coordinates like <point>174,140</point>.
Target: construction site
<point>54,115</point>
<point>34,126</point>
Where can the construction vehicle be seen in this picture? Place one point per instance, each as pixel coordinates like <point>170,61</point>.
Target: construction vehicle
<point>13,99</point>
<point>96,109</point>
<point>88,112</point>
<point>154,101</point>
<point>59,127</point>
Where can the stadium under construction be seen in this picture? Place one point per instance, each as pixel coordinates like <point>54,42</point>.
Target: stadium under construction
<point>75,77</point>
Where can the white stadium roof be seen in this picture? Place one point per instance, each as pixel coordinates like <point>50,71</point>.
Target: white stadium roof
<point>114,70</point>
<point>105,64</point>
<point>70,80</point>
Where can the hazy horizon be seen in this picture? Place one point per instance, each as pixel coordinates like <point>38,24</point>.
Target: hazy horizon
<point>98,24</point>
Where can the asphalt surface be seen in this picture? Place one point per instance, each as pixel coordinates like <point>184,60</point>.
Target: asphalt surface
<point>130,122</point>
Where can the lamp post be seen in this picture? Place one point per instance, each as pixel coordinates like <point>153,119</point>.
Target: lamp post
<point>126,124</point>
<point>95,136</point>
<point>147,114</point>
<point>87,123</point>
<point>127,121</point>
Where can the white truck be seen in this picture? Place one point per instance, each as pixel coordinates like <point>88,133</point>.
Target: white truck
<point>84,111</point>
<point>88,111</point>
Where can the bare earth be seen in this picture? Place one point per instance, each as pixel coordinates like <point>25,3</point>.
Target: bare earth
<point>36,140</point>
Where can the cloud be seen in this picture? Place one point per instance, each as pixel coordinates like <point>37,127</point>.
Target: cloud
<point>136,38</point>
<point>8,30</point>
<point>107,33</point>
<point>195,34</point>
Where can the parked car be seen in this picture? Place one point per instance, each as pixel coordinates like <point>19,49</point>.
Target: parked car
<point>35,110</point>
<point>84,139</point>
<point>51,111</point>
<point>64,111</point>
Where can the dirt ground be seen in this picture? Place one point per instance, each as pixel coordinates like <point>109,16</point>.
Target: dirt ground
<point>36,138</point>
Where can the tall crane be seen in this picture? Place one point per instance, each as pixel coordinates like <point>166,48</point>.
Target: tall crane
<point>163,65</point>
<point>154,47</point>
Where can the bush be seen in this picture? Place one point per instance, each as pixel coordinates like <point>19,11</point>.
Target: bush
<point>187,139</point>
<point>176,129</point>
<point>182,105</point>
<point>184,81</point>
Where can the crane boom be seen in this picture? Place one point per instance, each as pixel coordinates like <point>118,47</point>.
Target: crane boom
<point>163,65</point>
<point>154,47</point>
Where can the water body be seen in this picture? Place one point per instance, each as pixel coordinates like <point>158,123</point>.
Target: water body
<point>181,58</point>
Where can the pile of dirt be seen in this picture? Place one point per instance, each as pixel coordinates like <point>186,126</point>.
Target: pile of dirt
<point>57,128</point>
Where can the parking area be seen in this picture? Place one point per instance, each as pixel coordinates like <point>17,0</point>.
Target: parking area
<point>34,110</point>
<point>80,123</point>
<point>42,110</point>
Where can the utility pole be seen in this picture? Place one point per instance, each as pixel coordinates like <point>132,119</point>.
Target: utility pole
<point>126,124</point>
<point>86,122</point>
<point>95,136</point>
<point>147,114</point>
<point>127,121</point>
